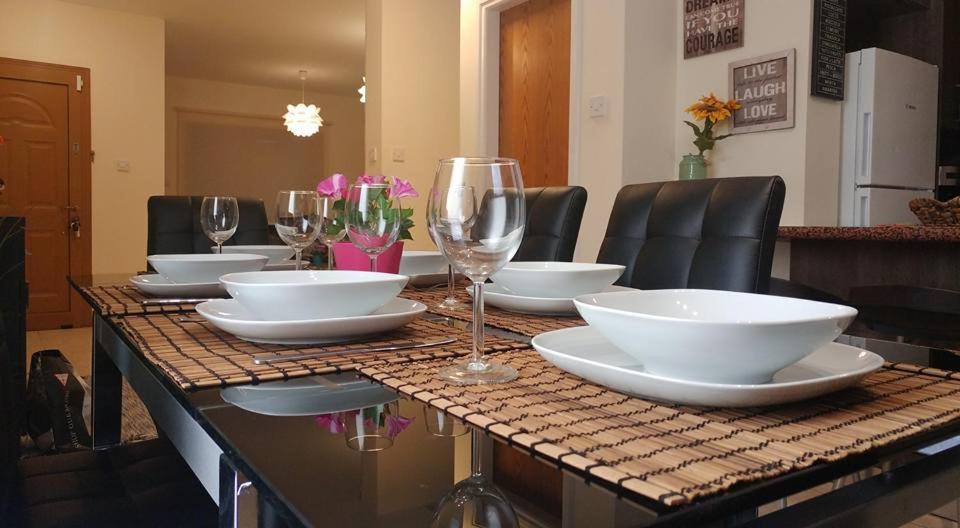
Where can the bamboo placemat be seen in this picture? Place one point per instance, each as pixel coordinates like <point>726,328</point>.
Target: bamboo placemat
<point>672,453</point>
<point>197,355</point>
<point>122,299</point>
<point>524,324</point>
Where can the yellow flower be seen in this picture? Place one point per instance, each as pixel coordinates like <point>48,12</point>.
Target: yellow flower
<point>709,107</point>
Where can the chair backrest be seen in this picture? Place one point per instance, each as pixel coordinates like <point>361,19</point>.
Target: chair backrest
<point>553,223</point>
<point>713,234</point>
<point>173,225</point>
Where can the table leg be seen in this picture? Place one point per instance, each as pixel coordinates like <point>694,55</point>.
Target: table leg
<point>106,387</point>
<point>238,498</point>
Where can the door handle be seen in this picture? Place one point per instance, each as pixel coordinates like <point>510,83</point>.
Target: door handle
<point>74,223</point>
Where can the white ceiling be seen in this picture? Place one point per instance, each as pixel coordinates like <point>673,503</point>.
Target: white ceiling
<point>260,42</point>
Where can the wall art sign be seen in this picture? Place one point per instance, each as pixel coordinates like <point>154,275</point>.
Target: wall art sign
<point>711,25</point>
<point>829,48</point>
<point>765,87</point>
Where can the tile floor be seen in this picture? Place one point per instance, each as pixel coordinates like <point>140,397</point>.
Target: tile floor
<point>75,343</point>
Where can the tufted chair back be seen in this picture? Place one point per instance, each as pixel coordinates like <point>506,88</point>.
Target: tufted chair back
<point>714,234</point>
<point>553,223</point>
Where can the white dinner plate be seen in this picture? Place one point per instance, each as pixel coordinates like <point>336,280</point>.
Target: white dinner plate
<point>159,286</point>
<point>496,295</point>
<point>231,316</point>
<point>308,396</point>
<point>584,352</point>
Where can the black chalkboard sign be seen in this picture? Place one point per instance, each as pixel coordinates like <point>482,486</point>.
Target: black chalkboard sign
<point>829,48</point>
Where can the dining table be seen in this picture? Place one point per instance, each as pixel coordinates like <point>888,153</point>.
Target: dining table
<point>880,454</point>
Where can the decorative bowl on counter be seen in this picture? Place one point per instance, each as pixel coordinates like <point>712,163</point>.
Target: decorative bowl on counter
<point>713,336</point>
<point>204,268</point>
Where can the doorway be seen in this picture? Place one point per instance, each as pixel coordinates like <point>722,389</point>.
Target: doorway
<point>534,124</point>
<point>45,177</point>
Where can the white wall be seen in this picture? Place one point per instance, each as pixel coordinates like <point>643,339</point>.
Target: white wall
<point>125,54</point>
<point>412,93</point>
<point>343,117</point>
<point>806,156</point>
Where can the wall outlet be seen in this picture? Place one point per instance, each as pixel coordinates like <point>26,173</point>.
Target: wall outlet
<point>122,165</point>
<point>399,154</point>
<point>598,106</point>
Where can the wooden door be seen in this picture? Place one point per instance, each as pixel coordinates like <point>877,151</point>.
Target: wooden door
<point>41,181</point>
<point>535,89</point>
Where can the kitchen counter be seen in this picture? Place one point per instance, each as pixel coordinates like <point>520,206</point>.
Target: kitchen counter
<point>884,233</point>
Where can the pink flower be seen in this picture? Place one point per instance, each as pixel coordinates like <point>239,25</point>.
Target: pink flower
<point>333,186</point>
<point>371,180</point>
<point>396,425</point>
<point>402,188</point>
<point>332,422</point>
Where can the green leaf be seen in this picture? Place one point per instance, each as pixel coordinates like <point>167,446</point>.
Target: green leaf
<point>723,136</point>
<point>696,129</point>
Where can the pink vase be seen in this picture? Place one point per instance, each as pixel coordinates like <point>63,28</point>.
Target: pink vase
<point>348,257</point>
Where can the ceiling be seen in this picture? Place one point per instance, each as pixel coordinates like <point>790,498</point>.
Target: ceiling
<point>260,43</point>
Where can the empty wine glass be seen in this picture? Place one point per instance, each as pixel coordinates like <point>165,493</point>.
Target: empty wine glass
<point>474,501</point>
<point>373,219</point>
<point>477,213</point>
<point>298,219</point>
<point>219,216</point>
<point>450,302</point>
<point>332,229</point>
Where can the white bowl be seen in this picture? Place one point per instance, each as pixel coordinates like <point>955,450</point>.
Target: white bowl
<point>713,336</point>
<point>558,280</point>
<point>202,268</point>
<point>298,295</point>
<point>276,254</point>
<point>422,263</point>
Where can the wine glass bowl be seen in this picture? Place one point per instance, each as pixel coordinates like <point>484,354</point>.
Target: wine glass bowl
<point>219,217</point>
<point>477,213</point>
<point>372,218</point>
<point>298,219</point>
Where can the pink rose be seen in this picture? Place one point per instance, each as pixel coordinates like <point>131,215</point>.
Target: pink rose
<point>396,425</point>
<point>402,188</point>
<point>371,180</point>
<point>333,186</point>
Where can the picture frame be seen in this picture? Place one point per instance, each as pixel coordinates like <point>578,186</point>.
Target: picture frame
<point>765,86</point>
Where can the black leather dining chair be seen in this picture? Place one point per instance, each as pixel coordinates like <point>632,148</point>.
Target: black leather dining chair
<point>173,225</point>
<point>713,234</point>
<point>553,223</point>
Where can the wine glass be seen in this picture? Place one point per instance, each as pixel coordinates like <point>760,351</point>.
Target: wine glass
<point>372,218</point>
<point>298,219</point>
<point>477,213</point>
<point>450,302</point>
<point>332,229</point>
<point>474,501</point>
<point>219,216</point>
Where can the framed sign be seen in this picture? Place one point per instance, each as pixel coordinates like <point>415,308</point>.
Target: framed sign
<point>711,25</point>
<point>765,88</point>
<point>829,48</point>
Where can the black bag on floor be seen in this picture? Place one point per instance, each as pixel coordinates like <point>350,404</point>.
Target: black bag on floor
<point>58,404</point>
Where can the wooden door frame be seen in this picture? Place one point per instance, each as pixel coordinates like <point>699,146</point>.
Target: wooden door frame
<point>489,79</point>
<point>77,81</point>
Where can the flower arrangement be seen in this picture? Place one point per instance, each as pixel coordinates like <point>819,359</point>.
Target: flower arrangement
<point>711,111</point>
<point>376,417</point>
<point>336,187</point>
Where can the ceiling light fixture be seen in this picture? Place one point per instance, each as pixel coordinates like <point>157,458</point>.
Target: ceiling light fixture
<point>302,120</point>
<point>363,90</point>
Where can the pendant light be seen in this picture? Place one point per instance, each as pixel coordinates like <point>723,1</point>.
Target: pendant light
<point>302,120</point>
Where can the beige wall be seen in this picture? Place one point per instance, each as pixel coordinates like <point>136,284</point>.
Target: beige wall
<point>342,134</point>
<point>412,93</point>
<point>125,54</point>
<point>806,156</point>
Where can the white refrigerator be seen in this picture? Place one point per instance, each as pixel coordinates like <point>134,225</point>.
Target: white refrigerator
<point>889,152</point>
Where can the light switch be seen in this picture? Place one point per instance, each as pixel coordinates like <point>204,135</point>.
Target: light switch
<point>372,155</point>
<point>122,165</point>
<point>399,154</point>
<point>598,106</point>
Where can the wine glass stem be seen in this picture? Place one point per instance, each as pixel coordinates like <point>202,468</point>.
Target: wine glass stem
<point>329,257</point>
<point>475,439</point>
<point>451,279</point>
<point>220,248</point>
<point>477,358</point>
<point>298,252</point>
<point>373,263</point>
